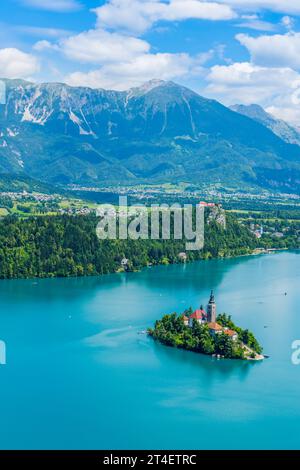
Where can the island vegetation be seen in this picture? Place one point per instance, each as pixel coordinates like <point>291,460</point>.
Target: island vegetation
<point>172,330</point>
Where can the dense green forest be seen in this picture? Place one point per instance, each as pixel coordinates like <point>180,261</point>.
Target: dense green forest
<point>68,246</point>
<point>172,331</point>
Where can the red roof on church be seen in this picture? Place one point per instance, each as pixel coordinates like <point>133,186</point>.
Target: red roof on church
<point>215,326</point>
<point>198,314</point>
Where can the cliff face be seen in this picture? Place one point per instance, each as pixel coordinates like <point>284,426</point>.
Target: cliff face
<point>218,215</point>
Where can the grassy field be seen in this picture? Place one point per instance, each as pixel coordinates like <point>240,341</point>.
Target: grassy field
<point>25,208</point>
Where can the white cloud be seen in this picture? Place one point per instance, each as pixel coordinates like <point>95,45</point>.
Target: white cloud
<point>99,46</point>
<point>280,6</point>
<point>254,22</point>
<point>122,60</point>
<point>17,64</point>
<point>54,5</point>
<point>124,75</point>
<point>288,22</point>
<point>291,115</point>
<point>279,50</point>
<point>273,88</point>
<point>139,15</point>
<point>45,45</point>
<point>41,31</point>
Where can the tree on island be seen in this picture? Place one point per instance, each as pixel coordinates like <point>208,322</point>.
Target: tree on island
<point>172,331</point>
<point>246,336</point>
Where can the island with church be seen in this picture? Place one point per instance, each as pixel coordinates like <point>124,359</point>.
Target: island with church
<point>205,332</point>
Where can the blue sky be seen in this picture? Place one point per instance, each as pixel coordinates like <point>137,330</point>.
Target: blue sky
<point>243,51</point>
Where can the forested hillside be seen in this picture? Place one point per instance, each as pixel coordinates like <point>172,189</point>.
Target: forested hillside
<point>68,246</point>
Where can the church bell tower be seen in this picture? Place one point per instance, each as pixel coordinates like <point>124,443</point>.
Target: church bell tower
<point>212,309</point>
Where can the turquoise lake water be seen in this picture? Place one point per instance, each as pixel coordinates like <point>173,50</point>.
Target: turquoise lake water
<point>79,376</point>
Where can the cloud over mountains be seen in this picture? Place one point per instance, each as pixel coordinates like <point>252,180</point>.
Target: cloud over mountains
<point>131,41</point>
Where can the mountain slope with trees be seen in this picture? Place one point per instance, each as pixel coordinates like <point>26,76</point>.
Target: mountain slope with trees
<point>155,133</point>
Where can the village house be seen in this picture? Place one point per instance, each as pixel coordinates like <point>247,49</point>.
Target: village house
<point>214,328</point>
<point>231,333</point>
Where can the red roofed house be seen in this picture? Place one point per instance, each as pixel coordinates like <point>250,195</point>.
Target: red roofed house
<point>199,315</point>
<point>207,204</point>
<point>231,333</point>
<point>214,328</point>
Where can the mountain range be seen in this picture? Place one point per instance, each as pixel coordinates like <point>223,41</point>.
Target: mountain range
<point>159,132</point>
<point>282,129</point>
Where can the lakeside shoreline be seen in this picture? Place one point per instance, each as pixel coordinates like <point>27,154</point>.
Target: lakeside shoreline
<point>257,358</point>
<point>256,252</point>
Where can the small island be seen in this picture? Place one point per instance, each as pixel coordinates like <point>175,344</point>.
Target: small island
<point>206,333</point>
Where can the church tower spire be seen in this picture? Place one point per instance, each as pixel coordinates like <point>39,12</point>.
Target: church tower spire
<point>212,309</point>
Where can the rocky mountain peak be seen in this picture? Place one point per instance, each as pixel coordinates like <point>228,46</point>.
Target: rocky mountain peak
<point>281,128</point>
<point>160,131</point>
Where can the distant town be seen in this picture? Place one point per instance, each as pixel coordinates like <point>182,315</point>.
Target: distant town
<point>188,192</point>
